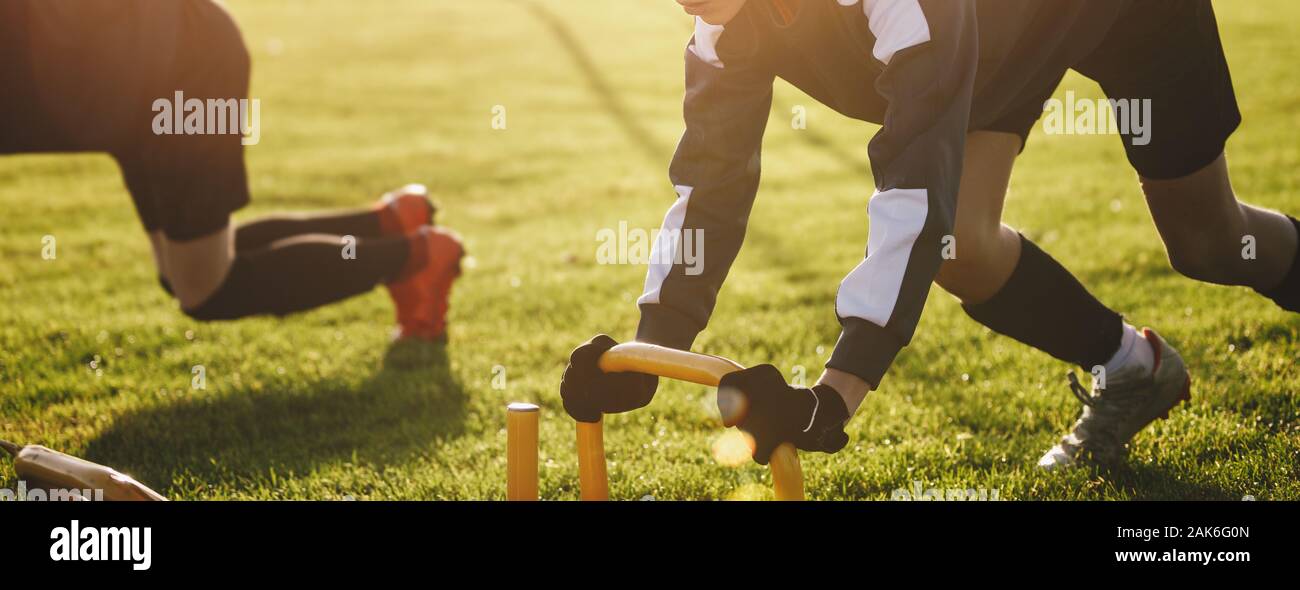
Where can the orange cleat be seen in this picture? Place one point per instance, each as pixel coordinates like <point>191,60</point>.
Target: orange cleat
<point>445,253</point>
<point>423,298</point>
<point>405,210</point>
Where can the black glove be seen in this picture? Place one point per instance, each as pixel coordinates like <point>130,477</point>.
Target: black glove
<point>759,402</point>
<point>589,392</point>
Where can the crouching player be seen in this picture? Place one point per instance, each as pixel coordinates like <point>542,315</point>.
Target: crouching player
<point>956,85</point>
<point>83,76</point>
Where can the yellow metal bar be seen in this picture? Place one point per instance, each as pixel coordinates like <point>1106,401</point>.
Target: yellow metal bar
<point>593,479</point>
<point>787,474</point>
<point>670,363</point>
<point>651,359</point>
<point>521,451</point>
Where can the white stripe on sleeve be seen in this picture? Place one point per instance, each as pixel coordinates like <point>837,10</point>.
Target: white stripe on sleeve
<point>705,46</point>
<point>871,290</point>
<point>897,25</point>
<point>666,245</point>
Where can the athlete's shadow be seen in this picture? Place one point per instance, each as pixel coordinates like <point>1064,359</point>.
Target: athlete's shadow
<point>1156,482</point>
<point>245,438</point>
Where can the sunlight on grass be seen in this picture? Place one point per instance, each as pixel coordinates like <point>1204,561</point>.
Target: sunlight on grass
<point>357,102</point>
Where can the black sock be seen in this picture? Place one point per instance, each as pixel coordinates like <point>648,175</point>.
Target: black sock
<point>1287,294</point>
<point>260,233</point>
<point>1044,306</point>
<point>301,274</point>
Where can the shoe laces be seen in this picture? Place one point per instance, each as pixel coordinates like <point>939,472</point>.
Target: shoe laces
<point>1079,391</point>
<point>1106,410</point>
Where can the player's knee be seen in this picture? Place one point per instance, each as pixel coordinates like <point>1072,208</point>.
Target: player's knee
<point>1202,263</point>
<point>196,291</point>
<point>198,313</point>
<point>214,305</point>
<point>961,277</point>
<point>963,274</point>
<point>963,265</point>
<point>972,248</point>
<point>196,308</point>
<point>166,286</point>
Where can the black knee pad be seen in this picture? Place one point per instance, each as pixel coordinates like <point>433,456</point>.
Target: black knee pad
<point>233,299</point>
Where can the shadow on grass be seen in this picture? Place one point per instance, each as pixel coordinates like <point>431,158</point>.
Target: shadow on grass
<point>411,403</point>
<point>1157,482</point>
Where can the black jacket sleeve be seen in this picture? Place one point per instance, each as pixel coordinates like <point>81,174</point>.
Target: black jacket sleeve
<point>715,173</point>
<point>930,49</point>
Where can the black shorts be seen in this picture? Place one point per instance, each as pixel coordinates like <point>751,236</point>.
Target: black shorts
<point>85,78</point>
<point>1024,114</point>
<point>1168,52</point>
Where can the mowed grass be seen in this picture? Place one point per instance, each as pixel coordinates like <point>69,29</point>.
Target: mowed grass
<point>95,359</point>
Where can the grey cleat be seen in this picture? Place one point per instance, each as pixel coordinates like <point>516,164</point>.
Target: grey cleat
<point>1132,399</point>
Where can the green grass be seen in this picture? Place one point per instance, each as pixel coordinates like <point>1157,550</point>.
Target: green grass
<point>356,101</point>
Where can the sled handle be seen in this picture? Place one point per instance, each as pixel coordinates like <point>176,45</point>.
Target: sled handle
<point>670,363</point>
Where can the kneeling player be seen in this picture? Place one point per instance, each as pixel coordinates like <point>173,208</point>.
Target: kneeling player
<point>84,77</point>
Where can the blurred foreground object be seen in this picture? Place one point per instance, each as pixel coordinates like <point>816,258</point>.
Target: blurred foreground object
<point>50,469</point>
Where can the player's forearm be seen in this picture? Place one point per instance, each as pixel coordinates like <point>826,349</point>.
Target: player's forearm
<point>916,159</point>
<point>850,387</point>
<point>715,173</point>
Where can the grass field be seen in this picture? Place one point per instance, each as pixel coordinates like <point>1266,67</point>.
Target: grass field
<point>95,359</point>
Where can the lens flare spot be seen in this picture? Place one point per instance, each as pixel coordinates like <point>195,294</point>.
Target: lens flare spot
<point>733,448</point>
<point>732,405</point>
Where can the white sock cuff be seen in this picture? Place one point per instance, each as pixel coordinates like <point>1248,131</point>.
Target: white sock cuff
<point>1132,349</point>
